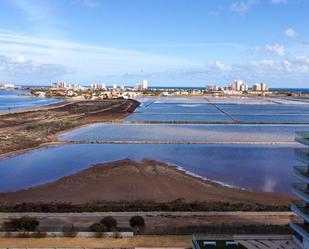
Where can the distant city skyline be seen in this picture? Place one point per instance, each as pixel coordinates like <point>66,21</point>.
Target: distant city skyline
<point>169,43</point>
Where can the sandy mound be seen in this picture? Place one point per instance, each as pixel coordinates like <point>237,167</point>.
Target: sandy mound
<point>126,180</point>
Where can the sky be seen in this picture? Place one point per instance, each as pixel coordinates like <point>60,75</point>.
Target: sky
<point>168,42</point>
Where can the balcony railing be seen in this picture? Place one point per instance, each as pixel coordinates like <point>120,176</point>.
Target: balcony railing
<point>301,229</point>
<point>302,155</point>
<point>302,134</point>
<point>302,140</point>
<point>298,241</point>
<point>301,190</point>
<point>301,172</point>
<point>300,209</point>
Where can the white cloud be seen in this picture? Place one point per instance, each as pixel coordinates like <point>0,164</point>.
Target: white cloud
<point>295,65</point>
<point>290,32</point>
<point>219,65</point>
<point>277,48</point>
<point>18,59</point>
<point>243,6</point>
<point>273,48</point>
<point>19,68</point>
<point>88,63</point>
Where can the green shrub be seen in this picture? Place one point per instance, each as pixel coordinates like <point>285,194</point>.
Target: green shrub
<point>98,227</point>
<point>28,224</point>
<point>109,222</point>
<point>137,222</point>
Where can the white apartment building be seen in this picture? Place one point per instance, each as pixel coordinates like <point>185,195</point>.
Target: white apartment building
<point>262,87</point>
<point>145,84</point>
<point>96,86</point>
<point>256,87</point>
<point>238,84</point>
<point>244,87</point>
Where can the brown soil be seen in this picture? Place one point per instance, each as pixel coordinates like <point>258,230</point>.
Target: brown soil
<point>32,128</point>
<point>183,241</point>
<point>126,180</point>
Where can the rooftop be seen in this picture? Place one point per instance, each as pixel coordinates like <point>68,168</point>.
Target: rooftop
<point>246,241</point>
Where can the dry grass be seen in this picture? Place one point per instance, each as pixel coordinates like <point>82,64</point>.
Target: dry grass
<point>137,241</point>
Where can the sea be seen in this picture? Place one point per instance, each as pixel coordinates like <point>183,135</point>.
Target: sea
<point>14,100</point>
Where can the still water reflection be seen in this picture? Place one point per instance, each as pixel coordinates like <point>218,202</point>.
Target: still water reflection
<point>256,167</point>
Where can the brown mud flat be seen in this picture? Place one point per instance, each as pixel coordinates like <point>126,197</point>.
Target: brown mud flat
<point>29,129</point>
<point>129,181</point>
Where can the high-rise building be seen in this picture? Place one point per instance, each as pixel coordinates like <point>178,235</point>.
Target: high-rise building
<point>96,86</point>
<point>243,87</point>
<point>264,87</point>
<point>142,86</point>
<point>62,84</point>
<point>301,190</point>
<point>256,87</point>
<point>145,84</point>
<point>212,88</point>
<point>238,84</point>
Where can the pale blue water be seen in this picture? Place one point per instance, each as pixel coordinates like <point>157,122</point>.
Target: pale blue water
<point>256,167</point>
<point>10,99</point>
<point>184,133</point>
<point>291,119</point>
<point>184,117</point>
<point>157,111</point>
<point>178,108</point>
<point>264,109</point>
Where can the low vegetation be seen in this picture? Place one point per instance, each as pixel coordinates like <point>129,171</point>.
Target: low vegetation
<point>110,223</point>
<point>97,228</point>
<point>28,227</point>
<point>31,128</point>
<point>137,223</point>
<point>177,205</point>
<point>25,224</point>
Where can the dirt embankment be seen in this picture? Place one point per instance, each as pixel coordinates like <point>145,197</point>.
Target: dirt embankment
<point>32,128</point>
<point>129,181</point>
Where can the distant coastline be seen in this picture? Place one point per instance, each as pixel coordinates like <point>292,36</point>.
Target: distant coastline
<point>285,89</point>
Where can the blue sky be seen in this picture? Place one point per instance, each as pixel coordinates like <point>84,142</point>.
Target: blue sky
<point>168,42</point>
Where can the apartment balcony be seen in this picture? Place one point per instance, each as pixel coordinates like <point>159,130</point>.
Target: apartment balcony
<point>301,172</point>
<point>302,137</point>
<point>301,191</point>
<point>300,209</point>
<point>302,155</point>
<point>298,241</point>
<point>301,228</point>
